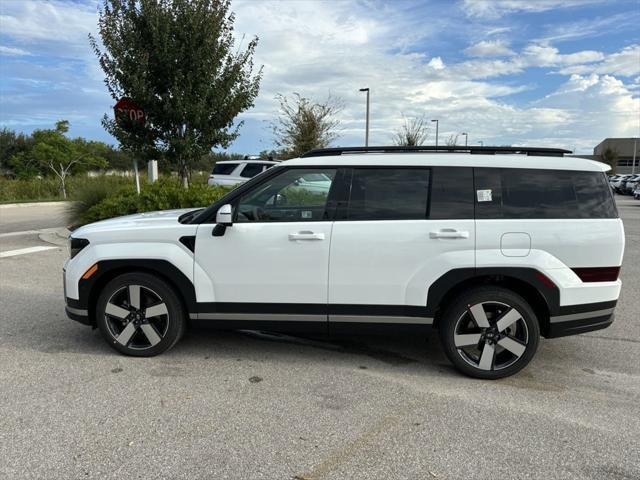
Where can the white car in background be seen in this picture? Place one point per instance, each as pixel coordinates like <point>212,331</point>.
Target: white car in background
<point>235,172</point>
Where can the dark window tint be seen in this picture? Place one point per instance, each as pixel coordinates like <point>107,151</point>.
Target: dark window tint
<point>224,168</point>
<point>251,170</point>
<point>389,194</point>
<point>451,193</point>
<point>530,193</point>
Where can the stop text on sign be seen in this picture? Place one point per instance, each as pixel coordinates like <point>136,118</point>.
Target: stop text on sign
<point>127,108</point>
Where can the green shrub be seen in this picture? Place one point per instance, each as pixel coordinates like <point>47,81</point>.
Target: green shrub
<point>165,194</point>
<point>89,193</point>
<point>32,189</point>
<point>48,188</point>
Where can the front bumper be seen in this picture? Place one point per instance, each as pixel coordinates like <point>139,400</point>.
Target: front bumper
<point>77,314</point>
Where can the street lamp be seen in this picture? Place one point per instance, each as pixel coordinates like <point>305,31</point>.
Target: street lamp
<point>437,122</point>
<point>366,135</point>
<point>466,138</point>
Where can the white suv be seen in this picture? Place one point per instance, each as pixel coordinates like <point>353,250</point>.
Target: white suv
<point>492,250</point>
<point>235,172</point>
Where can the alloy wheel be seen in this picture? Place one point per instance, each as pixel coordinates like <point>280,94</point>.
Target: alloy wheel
<point>491,335</point>
<point>136,317</point>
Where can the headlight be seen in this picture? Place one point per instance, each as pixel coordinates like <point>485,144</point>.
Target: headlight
<point>76,244</point>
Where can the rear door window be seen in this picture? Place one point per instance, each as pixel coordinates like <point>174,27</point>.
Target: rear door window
<point>389,194</point>
<point>451,193</point>
<point>224,168</point>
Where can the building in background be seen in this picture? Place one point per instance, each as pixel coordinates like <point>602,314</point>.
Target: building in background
<point>624,148</point>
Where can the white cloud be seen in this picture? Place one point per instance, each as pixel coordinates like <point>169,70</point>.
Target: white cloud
<point>309,48</point>
<point>547,56</point>
<point>13,51</point>
<point>498,8</point>
<point>489,48</point>
<point>591,27</point>
<point>436,63</point>
<point>625,63</point>
<point>600,106</point>
<point>55,21</point>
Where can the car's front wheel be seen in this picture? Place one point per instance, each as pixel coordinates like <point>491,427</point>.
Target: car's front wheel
<point>489,332</point>
<point>140,315</point>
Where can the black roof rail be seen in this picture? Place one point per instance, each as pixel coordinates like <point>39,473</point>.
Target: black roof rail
<point>488,150</point>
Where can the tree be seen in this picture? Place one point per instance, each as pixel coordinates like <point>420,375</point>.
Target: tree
<point>412,133</point>
<point>14,149</point>
<point>303,124</point>
<point>178,61</point>
<point>54,151</point>
<point>610,157</point>
<point>452,140</point>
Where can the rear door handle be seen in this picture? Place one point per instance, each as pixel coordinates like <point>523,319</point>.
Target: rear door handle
<point>449,233</point>
<point>306,235</point>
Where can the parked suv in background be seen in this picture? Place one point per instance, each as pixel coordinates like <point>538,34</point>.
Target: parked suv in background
<point>618,181</point>
<point>526,244</point>
<point>235,172</point>
<point>629,184</point>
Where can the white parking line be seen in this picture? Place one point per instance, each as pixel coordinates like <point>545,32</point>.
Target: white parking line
<point>24,251</point>
<point>17,234</point>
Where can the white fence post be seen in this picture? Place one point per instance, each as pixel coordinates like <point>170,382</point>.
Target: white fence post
<point>152,170</point>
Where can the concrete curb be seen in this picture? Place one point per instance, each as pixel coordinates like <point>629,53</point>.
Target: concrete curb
<point>56,236</point>
<point>35,204</point>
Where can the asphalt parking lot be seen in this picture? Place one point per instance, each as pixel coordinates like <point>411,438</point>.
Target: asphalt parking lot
<point>259,406</point>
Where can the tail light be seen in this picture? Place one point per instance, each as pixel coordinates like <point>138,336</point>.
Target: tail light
<point>597,274</point>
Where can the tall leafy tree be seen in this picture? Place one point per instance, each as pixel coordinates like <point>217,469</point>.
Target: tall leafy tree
<point>15,145</point>
<point>304,124</point>
<point>60,155</point>
<point>176,59</point>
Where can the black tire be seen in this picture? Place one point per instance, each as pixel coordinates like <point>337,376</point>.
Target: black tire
<point>501,351</point>
<point>127,328</point>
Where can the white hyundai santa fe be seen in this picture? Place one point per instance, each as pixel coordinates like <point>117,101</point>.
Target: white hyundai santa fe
<point>492,246</point>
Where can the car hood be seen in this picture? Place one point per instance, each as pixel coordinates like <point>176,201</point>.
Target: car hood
<point>160,218</point>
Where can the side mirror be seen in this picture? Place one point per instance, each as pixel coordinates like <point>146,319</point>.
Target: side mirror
<point>224,216</point>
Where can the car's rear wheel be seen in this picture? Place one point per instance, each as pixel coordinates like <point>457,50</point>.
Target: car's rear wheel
<point>140,315</point>
<point>489,332</point>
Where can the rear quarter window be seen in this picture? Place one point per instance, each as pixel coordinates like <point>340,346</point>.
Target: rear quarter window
<point>532,193</point>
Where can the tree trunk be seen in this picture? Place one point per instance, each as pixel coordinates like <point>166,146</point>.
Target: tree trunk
<point>184,172</point>
<point>64,187</point>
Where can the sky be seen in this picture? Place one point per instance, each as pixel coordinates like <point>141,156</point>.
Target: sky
<point>555,73</point>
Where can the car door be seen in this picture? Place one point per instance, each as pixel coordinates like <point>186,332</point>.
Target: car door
<point>403,228</point>
<point>272,263</point>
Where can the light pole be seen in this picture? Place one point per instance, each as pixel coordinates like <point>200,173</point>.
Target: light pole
<point>466,138</point>
<point>635,149</point>
<point>366,135</point>
<point>437,122</point>
<point>481,143</point>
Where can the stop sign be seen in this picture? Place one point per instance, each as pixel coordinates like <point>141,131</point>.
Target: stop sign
<point>127,108</point>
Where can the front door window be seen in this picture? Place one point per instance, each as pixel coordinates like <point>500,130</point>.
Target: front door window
<point>296,195</point>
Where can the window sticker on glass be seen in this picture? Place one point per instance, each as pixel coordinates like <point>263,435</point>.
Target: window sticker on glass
<point>306,214</point>
<point>484,195</point>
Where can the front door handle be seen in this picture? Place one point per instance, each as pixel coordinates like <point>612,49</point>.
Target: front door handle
<point>449,233</point>
<point>306,235</point>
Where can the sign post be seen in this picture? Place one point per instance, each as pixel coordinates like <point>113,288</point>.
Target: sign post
<point>126,110</point>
